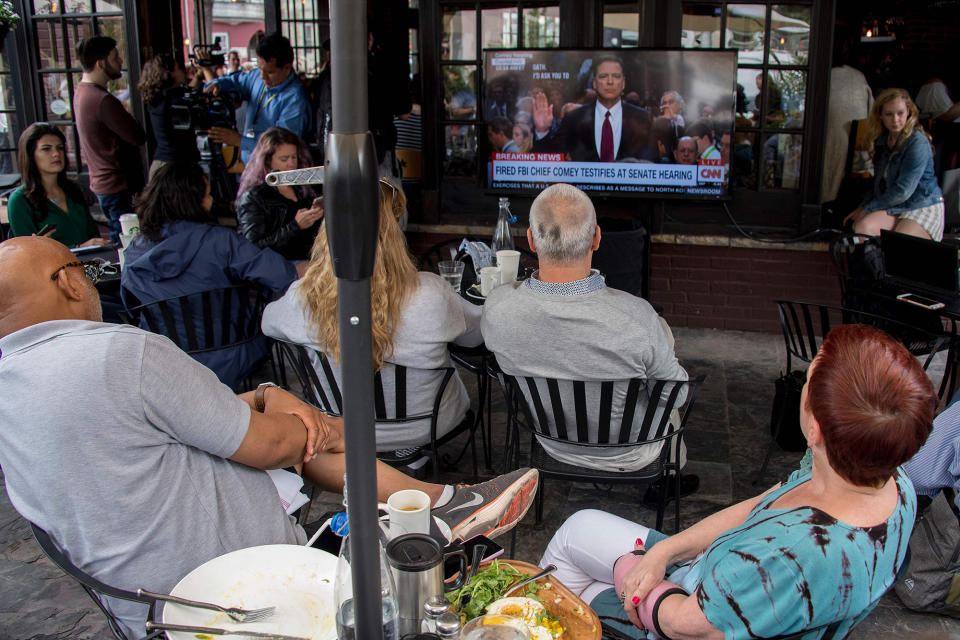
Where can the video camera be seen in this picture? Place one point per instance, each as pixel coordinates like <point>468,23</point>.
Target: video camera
<point>208,55</point>
<point>198,111</point>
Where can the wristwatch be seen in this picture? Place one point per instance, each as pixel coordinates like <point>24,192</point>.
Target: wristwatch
<point>259,397</point>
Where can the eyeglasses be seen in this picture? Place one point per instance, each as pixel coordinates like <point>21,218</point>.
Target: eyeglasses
<point>93,269</point>
<point>394,205</point>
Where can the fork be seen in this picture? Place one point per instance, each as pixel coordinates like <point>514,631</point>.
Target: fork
<point>236,614</point>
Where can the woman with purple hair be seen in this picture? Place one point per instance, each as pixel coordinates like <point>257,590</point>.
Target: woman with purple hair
<point>285,219</point>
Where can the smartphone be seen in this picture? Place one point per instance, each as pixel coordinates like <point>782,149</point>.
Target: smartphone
<point>493,550</point>
<point>920,301</point>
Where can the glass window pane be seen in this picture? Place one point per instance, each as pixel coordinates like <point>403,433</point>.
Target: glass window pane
<point>85,6</point>
<point>56,96</point>
<point>7,100</point>
<point>621,24</point>
<point>41,7</point>
<point>499,27</point>
<point>746,31</point>
<point>460,158</point>
<point>781,161</point>
<point>786,91</point>
<point>113,27</point>
<point>459,35</point>
<point>541,27</point>
<point>8,164</point>
<point>109,6</point>
<point>77,30</point>
<point>743,160</point>
<point>49,44</point>
<point>701,26</point>
<point>790,34</point>
<point>460,91</point>
<point>121,89</point>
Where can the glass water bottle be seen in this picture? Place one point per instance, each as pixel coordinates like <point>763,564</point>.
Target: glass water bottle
<point>502,237</point>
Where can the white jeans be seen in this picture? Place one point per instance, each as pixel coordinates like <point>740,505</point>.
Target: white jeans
<point>585,547</point>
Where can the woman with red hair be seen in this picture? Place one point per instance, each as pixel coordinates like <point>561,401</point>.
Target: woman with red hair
<point>814,553</point>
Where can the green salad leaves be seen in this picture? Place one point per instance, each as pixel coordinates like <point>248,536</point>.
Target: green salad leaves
<point>473,598</point>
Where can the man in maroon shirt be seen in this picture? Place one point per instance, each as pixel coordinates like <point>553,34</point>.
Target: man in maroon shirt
<point>109,136</point>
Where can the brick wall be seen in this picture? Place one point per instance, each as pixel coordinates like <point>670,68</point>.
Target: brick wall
<point>733,287</point>
<point>716,287</point>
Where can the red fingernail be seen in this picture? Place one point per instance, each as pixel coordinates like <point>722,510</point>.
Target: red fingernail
<point>640,541</point>
<point>635,600</point>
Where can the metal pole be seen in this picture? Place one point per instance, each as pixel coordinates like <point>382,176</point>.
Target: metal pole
<point>352,195</point>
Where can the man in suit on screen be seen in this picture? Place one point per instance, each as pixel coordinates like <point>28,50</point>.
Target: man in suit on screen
<point>606,130</point>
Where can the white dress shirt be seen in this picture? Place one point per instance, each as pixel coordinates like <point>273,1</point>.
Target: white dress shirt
<point>616,121</point>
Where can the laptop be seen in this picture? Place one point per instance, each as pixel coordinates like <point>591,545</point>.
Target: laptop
<point>919,265</point>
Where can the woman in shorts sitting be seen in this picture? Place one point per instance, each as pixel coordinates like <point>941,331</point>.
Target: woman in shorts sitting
<point>813,553</point>
<point>905,197</point>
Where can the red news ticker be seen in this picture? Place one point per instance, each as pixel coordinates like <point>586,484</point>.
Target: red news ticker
<point>528,157</point>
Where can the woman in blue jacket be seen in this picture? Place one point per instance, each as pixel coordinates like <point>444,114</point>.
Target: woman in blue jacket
<point>182,251</point>
<point>905,197</point>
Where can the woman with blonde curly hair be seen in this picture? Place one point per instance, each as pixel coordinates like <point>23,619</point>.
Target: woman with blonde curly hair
<point>905,197</point>
<point>415,315</point>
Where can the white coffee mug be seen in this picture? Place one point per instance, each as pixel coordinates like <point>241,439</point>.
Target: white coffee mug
<point>129,224</point>
<point>489,279</point>
<point>409,511</point>
<point>508,261</point>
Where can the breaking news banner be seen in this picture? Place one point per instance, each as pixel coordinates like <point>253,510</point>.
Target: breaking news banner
<point>630,121</point>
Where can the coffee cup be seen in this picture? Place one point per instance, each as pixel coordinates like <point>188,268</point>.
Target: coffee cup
<point>489,280</point>
<point>129,224</point>
<point>409,512</point>
<point>508,260</point>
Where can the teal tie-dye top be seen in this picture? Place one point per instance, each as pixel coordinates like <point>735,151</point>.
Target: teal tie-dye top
<point>785,570</point>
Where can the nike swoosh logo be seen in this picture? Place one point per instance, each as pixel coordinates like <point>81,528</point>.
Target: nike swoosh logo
<point>475,501</point>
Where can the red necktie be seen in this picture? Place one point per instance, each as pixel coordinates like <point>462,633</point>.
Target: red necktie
<point>606,140</point>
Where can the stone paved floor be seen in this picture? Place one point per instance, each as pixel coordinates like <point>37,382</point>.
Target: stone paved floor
<point>726,441</point>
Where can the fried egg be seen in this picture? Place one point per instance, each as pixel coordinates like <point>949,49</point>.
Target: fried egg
<point>525,609</point>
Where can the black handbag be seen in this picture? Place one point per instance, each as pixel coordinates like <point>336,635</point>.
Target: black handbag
<point>785,416</point>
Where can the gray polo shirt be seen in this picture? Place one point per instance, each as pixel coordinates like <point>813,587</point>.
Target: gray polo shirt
<point>115,442</point>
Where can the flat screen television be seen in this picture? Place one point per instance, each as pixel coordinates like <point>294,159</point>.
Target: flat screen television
<point>633,122</point>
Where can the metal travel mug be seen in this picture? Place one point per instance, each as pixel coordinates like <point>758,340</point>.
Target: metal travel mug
<point>417,563</point>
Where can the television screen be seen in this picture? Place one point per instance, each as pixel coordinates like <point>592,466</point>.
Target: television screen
<point>655,123</point>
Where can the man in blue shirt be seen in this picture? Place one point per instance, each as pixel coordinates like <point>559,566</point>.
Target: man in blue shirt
<point>273,92</point>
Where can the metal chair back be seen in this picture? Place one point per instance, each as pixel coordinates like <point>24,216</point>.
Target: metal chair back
<point>604,415</point>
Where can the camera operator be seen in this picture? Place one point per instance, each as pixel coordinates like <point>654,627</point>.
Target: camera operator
<point>163,85</point>
<point>274,95</point>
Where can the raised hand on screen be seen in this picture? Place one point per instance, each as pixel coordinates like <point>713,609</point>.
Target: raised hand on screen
<point>542,112</point>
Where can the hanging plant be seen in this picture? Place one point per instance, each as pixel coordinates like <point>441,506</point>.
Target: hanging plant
<point>8,17</point>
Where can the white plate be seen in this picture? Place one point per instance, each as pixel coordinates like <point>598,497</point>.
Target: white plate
<point>297,580</point>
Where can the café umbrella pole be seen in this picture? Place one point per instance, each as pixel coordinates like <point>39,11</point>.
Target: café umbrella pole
<point>351,195</point>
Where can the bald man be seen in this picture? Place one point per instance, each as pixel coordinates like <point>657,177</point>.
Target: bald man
<point>565,323</point>
<point>139,462</point>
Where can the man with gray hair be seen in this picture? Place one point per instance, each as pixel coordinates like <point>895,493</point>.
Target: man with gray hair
<point>564,322</point>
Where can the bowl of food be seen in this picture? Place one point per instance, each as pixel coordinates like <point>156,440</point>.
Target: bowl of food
<point>547,609</point>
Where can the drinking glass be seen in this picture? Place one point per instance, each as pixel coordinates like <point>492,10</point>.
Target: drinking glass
<point>452,272</point>
<point>495,627</point>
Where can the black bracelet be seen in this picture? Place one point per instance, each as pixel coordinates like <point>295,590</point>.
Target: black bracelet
<point>656,609</point>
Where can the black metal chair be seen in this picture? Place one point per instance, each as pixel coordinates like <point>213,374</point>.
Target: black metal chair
<point>207,321</point>
<point>557,410</point>
<point>806,324</point>
<point>94,588</point>
<point>322,390</point>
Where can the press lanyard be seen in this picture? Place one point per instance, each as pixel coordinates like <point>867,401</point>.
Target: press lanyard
<point>261,104</point>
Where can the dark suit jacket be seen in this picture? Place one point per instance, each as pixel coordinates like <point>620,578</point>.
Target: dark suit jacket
<point>575,136</point>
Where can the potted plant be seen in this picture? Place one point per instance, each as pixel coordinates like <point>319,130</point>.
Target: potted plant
<point>8,21</point>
